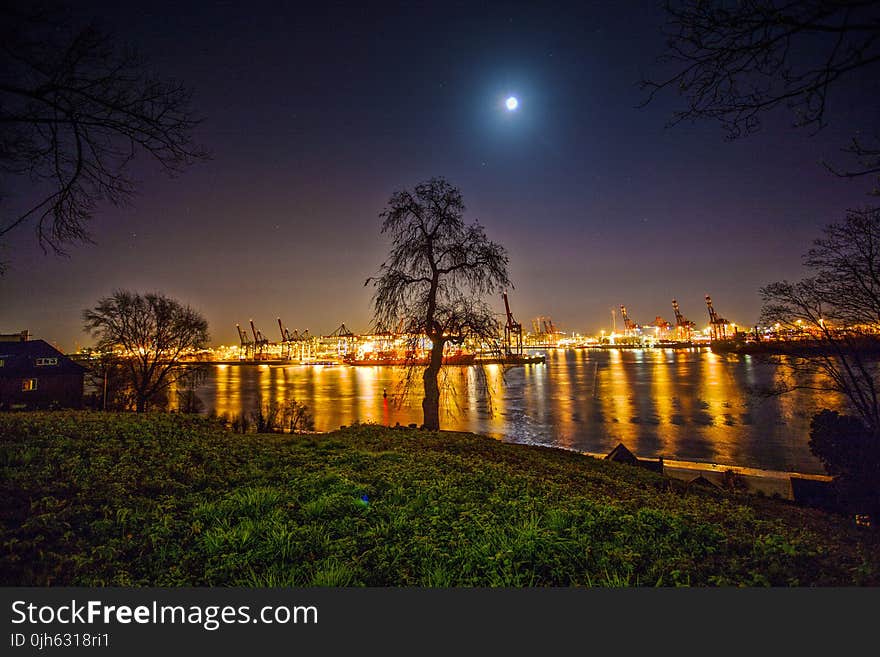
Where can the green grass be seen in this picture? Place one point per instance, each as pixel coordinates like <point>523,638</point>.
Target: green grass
<point>92,499</point>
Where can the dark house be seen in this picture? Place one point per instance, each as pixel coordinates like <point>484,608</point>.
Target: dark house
<point>34,374</point>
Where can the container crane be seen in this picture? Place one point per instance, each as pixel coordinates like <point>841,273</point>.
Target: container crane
<point>341,332</point>
<point>717,324</point>
<point>260,342</point>
<point>344,340</point>
<point>287,338</point>
<point>512,330</point>
<point>628,325</point>
<point>683,326</point>
<point>247,345</point>
<point>543,326</point>
<point>286,335</point>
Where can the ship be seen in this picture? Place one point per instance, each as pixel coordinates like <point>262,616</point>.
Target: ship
<point>393,359</point>
<point>513,359</point>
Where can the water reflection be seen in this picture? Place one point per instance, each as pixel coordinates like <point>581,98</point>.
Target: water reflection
<point>681,404</point>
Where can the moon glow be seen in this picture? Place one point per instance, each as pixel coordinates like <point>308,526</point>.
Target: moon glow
<point>512,103</point>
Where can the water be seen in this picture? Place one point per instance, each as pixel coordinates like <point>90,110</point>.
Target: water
<point>682,404</point>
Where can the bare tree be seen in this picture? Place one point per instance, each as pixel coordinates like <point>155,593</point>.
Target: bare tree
<point>438,269</point>
<point>149,334</point>
<point>833,318</point>
<point>734,61</point>
<point>833,315</point>
<point>75,110</point>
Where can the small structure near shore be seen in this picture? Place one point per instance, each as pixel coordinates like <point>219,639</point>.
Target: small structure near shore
<point>807,489</point>
<point>621,454</point>
<point>34,374</point>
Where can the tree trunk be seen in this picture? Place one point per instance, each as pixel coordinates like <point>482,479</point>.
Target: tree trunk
<point>431,402</point>
<point>141,403</point>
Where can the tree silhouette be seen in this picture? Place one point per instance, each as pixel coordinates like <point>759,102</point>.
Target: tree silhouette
<point>147,335</point>
<point>834,315</point>
<point>838,307</point>
<point>438,269</point>
<point>733,62</point>
<point>75,110</point>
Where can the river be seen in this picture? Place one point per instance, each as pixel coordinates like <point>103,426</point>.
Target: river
<point>690,405</point>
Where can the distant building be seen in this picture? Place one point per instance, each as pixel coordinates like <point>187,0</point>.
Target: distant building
<point>34,374</point>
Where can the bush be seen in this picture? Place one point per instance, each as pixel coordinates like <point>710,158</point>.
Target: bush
<point>851,454</point>
<point>278,417</point>
<point>297,417</point>
<point>267,418</point>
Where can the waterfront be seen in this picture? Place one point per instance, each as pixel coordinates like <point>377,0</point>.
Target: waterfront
<point>682,404</point>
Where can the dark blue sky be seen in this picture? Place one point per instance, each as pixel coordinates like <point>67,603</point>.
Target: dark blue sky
<point>315,116</point>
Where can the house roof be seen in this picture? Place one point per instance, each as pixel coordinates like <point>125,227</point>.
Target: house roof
<point>621,454</point>
<point>702,481</point>
<point>19,358</point>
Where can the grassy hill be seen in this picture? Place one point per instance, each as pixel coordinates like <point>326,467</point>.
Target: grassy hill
<point>95,499</point>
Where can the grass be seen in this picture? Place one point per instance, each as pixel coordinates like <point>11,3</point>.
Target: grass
<point>93,499</point>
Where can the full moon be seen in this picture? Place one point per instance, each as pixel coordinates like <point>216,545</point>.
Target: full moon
<point>512,103</point>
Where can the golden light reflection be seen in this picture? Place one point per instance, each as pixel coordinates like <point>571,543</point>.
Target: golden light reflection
<point>485,403</point>
<point>718,400</point>
<point>563,399</point>
<point>616,395</point>
<point>663,393</point>
<point>687,404</point>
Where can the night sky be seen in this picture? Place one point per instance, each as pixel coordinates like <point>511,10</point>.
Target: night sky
<point>314,116</point>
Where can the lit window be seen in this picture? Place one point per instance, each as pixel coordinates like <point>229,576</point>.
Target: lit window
<point>28,385</point>
<point>41,362</point>
<point>2,362</point>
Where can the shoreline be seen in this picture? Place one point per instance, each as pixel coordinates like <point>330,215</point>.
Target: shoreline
<point>757,481</point>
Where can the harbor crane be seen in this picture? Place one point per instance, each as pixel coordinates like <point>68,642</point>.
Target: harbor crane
<point>344,340</point>
<point>718,325</point>
<point>288,338</point>
<point>683,326</point>
<point>286,335</point>
<point>260,342</point>
<point>629,326</point>
<point>294,341</point>
<point>341,332</point>
<point>512,331</point>
<point>247,345</point>
<point>543,325</point>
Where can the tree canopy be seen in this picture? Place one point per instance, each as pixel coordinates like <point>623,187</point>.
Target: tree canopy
<point>147,334</point>
<point>835,314</point>
<point>735,61</point>
<point>75,110</point>
<point>437,272</point>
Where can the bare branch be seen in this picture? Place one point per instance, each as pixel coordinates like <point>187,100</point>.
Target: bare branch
<point>839,310</point>
<point>437,270</point>
<point>733,62</point>
<point>149,334</point>
<point>74,111</point>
